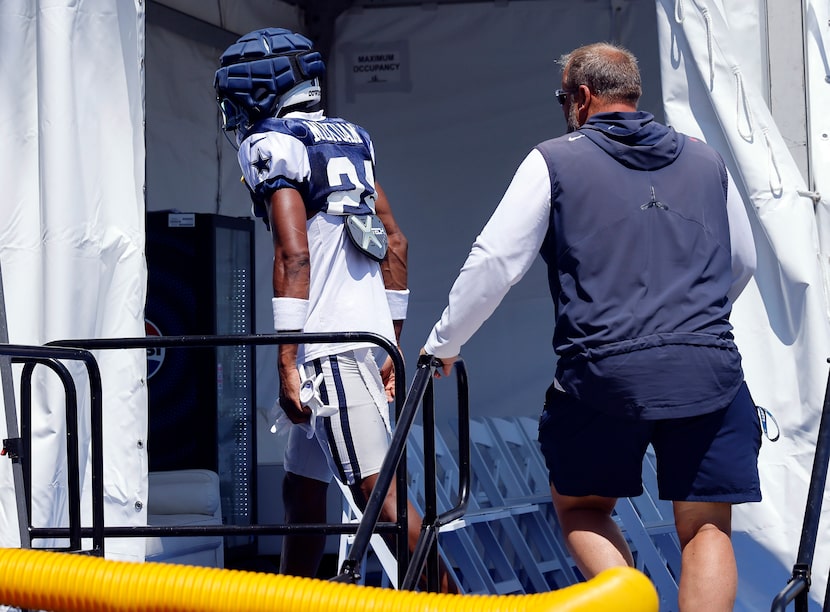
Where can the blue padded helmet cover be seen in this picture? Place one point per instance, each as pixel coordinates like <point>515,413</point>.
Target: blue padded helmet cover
<point>259,68</point>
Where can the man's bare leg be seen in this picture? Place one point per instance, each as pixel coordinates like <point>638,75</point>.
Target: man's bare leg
<point>305,502</point>
<point>709,574</point>
<point>593,538</point>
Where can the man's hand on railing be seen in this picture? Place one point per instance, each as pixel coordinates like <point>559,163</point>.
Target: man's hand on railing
<point>444,364</point>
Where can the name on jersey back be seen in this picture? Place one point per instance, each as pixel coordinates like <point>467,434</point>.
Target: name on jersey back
<point>333,132</point>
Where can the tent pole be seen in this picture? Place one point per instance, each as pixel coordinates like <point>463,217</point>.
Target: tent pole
<point>12,429</point>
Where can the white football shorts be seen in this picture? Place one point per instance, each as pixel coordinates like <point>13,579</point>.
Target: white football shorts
<point>353,443</point>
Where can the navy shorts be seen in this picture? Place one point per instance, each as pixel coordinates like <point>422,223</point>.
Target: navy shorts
<point>711,457</point>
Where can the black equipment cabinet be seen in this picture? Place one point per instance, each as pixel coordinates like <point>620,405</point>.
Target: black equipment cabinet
<point>201,400</point>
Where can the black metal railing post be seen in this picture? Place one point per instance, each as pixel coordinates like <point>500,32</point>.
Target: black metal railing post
<point>73,472</point>
<point>426,549</point>
<point>48,355</point>
<point>12,443</point>
<point>430,492</point>
<point>799,586</point>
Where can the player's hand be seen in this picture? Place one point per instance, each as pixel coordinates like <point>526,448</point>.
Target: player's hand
<point>387,375</point>
<point>290,396</point>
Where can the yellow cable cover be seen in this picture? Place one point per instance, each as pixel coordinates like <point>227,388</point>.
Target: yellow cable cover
<point>63,582</point>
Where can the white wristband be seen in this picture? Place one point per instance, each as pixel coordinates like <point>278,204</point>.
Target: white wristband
<point>398,302</point>
<point>289,313</point>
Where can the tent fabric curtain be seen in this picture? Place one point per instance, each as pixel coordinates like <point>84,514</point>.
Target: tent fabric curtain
<point>780,320</point>
<point>72,239</point>
<point>817,51</point>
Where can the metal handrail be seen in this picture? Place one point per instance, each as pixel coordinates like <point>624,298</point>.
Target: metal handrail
<point>421,389</point>
<point>79,349</point>
<point>799,584</point>
<point>73,472</point>
<point>31,355</point>
<point>394,463</point>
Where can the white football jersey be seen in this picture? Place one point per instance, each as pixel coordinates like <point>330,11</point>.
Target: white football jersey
<point>331,163</point>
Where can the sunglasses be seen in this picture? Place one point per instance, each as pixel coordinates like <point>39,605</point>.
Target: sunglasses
<point>562,96</point>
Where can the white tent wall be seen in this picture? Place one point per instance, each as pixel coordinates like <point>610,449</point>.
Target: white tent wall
<point>712,89</point>
<point>72,239</point>
<point>817,76</point>
<point>455,96</point>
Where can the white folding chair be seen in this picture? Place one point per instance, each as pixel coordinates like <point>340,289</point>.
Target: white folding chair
<point>469,545</point>
<point>502,477</point>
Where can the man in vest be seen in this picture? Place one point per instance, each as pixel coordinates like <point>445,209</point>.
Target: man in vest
<point>645,256</point>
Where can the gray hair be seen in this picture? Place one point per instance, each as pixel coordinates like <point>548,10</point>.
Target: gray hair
<point>610,72</point>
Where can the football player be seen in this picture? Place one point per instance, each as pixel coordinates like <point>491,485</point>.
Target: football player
<point>340,264</point>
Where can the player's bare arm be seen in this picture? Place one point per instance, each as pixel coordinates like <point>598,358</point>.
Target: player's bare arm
<point>394,270</point>
<point>291,279</point>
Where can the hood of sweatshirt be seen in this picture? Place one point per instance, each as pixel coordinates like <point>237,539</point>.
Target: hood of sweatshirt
<point>634,139</point>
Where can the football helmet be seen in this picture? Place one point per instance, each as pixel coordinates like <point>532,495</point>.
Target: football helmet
<point>265,72</point>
